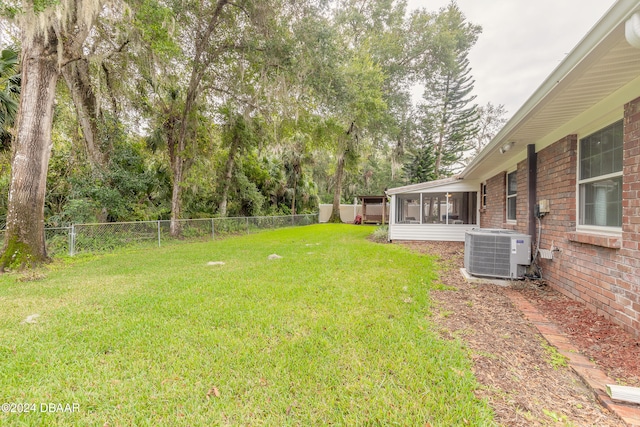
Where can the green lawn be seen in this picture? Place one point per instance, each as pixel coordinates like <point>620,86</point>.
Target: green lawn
<point>336,332</point>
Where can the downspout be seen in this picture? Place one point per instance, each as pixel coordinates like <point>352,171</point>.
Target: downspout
<point>532,178</point>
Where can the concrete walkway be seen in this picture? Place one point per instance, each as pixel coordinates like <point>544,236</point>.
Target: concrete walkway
<point>591,375</point>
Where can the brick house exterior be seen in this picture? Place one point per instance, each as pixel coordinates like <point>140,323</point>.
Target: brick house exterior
<point>574,146</point>
<point>602,271</point>
<point>593,223</point>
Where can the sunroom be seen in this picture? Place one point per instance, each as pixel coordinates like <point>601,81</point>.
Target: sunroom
<point>437,210</point>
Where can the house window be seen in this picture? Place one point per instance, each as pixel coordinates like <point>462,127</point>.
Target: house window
<point>600,177</point>
<point>512,193</point>
<point>408,209</point>
<point>483,188</point>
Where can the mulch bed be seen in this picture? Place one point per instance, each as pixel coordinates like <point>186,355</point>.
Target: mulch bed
<point>521,376</point>
<point>614,350</point>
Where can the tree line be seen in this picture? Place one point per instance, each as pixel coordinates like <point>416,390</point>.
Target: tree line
<point>119,110</point>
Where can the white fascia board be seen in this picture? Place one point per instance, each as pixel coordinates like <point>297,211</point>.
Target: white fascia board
<point>452,186</point>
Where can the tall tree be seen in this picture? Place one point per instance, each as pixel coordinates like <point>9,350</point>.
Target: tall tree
<point>354,98</point>
<point>50,31</point>
<point>421,165</point>
<point>449,119</point>
<point>218,40</point>
<point>405,49</point>
<point>491,119</point>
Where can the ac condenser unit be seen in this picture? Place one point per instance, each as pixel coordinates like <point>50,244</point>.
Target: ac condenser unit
<point>496,253</point>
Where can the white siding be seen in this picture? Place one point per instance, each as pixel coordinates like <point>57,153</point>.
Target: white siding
<point>441,232</point>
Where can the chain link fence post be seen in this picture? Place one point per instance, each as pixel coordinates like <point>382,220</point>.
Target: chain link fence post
<point>159,244</point>
<point>213,233</point>
<point>72,240</point>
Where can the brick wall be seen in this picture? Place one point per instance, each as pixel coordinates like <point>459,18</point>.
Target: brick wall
<point>627,280</point>
<point>557,184</point>
<point>493,216</point>
<point>603,272</point>
<point>522,202</point>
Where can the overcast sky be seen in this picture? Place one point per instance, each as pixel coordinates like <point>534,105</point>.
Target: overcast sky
<point>522,42</point>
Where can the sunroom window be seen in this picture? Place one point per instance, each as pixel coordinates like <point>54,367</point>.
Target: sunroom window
<point>408,209</point>
<point>600,177</point>
<point>436,208</point>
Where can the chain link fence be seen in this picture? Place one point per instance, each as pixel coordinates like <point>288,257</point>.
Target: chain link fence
<point>104,237</point>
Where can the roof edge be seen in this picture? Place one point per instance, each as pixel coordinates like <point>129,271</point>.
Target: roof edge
<point>423,185</point>
<point>617,14</point>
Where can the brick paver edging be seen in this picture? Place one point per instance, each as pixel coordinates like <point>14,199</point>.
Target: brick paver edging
<point>590,374</point>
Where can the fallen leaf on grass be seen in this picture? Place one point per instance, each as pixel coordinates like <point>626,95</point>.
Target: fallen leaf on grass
<point>213,391</point>
<point>31,319</point>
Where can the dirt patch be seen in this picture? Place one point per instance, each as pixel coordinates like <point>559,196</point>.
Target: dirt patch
<point>526,381</point>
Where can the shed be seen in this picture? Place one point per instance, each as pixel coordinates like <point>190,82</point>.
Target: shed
<point>374,209</point>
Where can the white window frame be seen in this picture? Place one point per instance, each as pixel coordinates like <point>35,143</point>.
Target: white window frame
<point>603,229</point>
<point>509,196</point>
<point>399,208</point>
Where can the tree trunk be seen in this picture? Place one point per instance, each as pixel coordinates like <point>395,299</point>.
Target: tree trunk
<point>177,151</point>
<point>228,174</point>
<point>439,148</point>
<point>24,244</point>
<point>76,75</point>
<point>295,187</point>
<point>337,190</point>
<point>222,207</point>
<point>176,197</point>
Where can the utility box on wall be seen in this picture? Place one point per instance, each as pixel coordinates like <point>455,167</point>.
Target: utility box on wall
<point>497,253</point>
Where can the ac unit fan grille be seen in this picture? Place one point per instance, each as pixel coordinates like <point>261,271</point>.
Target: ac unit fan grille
<point>489,255</point>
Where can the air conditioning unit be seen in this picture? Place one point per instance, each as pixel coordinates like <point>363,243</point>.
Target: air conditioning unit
<point>497,253</point>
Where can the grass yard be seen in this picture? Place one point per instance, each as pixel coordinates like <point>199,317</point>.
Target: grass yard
<point>336,332</point>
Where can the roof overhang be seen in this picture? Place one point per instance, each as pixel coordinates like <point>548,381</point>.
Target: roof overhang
<point>452,184</point>
<point>585,92</point>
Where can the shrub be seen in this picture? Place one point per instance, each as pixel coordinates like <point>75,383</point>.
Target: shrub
<point>380,234</point>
